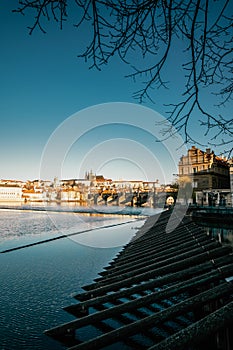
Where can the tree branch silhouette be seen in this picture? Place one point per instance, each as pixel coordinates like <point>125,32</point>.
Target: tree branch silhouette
<point>150,29</point>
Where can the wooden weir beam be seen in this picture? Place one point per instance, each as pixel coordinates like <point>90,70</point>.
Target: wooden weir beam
<point>156,270</point>
<point>203,280</point>
<point>162,239</point>
<point>159,237</point>
<point>100,290</point>
<point>155,255</point>
<point>187,248</point>
<point>145,233</point>
<point>154,263</point>
<point>157,277</point>
<point>198,270</point>
<point>125,320</point>
<point>198,331</point>
<point>157,247</point>
<point>157,318</point>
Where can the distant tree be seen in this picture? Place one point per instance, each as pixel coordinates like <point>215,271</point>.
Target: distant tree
<point>151,29</point>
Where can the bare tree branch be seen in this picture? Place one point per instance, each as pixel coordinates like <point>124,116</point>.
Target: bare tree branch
<point>151,29</point>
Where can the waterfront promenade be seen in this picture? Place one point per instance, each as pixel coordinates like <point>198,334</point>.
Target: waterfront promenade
<point>164,290</point>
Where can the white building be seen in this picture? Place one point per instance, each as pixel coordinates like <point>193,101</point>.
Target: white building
<point>33,195</point>
<point>70,195</point>
<point>9,193</point>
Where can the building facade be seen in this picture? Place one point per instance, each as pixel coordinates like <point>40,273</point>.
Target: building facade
<point>9,193</point>
<point>208,174</point>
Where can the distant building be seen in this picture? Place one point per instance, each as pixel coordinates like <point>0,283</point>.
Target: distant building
<point>231,180</point>
<point>33,195</point>
<point>209,175</point>
<point>90,176</point>
<point>17,183</point>
<point>70,195</point>
<point>9,193</point>
<point>206,169</point>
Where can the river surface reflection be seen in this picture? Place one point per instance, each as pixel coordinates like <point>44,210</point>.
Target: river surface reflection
<point>223,233</point>
<point>38,280</point>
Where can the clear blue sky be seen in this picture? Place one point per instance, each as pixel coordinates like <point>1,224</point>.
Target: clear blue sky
<point>43,83</point>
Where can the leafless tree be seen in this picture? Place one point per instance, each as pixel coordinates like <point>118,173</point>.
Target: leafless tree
<point>151,29</point>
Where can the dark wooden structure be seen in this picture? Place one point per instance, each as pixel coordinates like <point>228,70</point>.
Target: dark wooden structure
<point>164,290</point>
<point>218,215</point>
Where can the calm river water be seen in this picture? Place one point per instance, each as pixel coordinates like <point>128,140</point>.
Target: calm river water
<point>37,281</point>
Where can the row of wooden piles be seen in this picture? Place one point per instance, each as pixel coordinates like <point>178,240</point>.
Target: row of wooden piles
<point>164,290</point>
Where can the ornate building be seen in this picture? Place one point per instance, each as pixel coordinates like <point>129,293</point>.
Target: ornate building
<point>208,173</point>
<point>206,170</point>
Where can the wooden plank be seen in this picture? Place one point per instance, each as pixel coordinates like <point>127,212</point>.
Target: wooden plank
<point>145,253</point>
<point>76,309</point>
<point>167,279</point>
<point>155,258</point>
<point>198,331</point>
<point>157,249</point>
<point>160,317</point>
<point>181,262</point>
<point>171,263</point>
<point>157,238</point>
<point>178,266</point>
<point>176,289</point>
<point>160,237</point>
